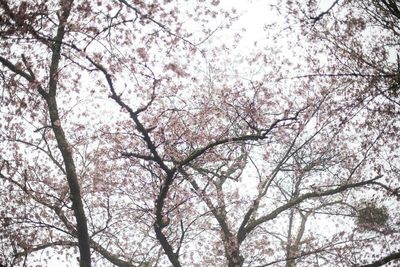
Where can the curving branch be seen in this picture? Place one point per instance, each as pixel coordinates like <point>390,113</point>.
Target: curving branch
<point>322,14</point>
<point>170,173</point>
<point>250,137</point>
<point>316,194</point>
<point>389,258</point>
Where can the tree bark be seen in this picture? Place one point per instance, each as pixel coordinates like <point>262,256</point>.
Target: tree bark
<point>62,143</point>
<point>72,178</point>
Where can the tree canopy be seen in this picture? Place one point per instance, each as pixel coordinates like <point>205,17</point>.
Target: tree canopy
<point>149,133</point>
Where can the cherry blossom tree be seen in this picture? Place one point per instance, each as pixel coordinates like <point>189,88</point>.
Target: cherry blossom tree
<point>131,135</point>
<point>360,41</point>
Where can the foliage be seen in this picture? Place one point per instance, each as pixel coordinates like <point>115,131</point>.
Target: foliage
<point>141,133</point>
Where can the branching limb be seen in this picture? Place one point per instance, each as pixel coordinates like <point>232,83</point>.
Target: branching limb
<point>310,195</point>
<point>322,14</point>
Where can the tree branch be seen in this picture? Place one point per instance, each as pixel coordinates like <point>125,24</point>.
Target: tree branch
<point>382,261</point>
<point>295,201</point>
<point>317,18</point>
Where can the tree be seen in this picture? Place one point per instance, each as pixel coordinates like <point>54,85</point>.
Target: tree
<point>361,42</point>
<point>130,138</point>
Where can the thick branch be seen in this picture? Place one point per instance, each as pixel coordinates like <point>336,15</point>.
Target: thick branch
<point>15,69</point>
<point>383,261</point>
<point>133,115</point>
<point>65,148</point>
<point>317,18</point>
<point>295,201</point>
<point>159,224</point>
<point>250,137</point>
<point>393,8</point>
<point>136,155</point>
